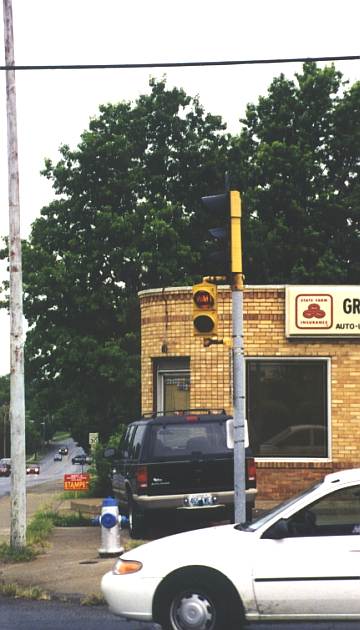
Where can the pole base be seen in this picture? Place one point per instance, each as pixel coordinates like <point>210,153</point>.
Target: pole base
<point>108,553</point>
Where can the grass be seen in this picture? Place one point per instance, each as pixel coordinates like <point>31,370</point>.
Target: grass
<point>74,494</point>
<point>72,519</point>
<point>40,528</point>
<point>38,532</point>
<point>9,555</point>
<point>93,600</point>
<point>25,592</point>
<point>37,593</point>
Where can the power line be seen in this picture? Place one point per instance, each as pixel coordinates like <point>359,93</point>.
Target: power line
<point>179,64</point>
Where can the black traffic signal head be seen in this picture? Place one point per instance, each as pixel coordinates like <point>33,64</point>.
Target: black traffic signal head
<point>218,222</point>
<point>224,226</point>
<point>205,309</point>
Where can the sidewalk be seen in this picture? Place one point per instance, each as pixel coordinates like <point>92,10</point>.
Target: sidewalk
<point>70,566</point>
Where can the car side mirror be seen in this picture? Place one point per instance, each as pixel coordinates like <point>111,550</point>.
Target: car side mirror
<point>278,530</point>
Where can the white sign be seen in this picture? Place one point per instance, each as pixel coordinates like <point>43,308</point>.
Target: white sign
<point>93,439</point>
<point>323,311</point>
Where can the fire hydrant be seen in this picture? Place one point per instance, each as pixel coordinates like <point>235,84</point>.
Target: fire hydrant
<point>110,521</point>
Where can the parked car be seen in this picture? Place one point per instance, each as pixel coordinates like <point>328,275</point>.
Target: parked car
<point>33,469</point>
<point>63,450</point>
<point>179,462</point>
<point>79,459</point>
<point>300,561</point>
<point>296,441</point>
<point>5,467</point>
<point>57,457</point>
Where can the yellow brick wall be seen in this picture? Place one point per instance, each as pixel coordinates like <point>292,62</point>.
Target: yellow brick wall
<point>166,316</point>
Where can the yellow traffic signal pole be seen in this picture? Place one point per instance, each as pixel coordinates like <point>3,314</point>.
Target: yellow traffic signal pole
<point>216,205</point>
<point>237,296</point>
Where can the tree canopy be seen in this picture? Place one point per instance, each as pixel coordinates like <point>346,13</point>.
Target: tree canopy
<point>297,161</point>
<point>127,216</point>
<point>121,222</point>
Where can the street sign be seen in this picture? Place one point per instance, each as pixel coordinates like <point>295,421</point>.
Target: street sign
<point>76,481</point>
<point>93,439</point>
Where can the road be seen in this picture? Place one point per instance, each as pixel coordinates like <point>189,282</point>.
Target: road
<point>25,615</point>
<point>49,470</point>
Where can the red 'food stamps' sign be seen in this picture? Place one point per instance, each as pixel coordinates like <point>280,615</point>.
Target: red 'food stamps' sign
<point>76,481</point>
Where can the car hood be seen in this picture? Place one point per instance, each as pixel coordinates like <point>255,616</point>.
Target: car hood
<point>200,546</point>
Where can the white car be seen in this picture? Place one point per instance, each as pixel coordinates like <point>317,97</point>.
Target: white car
<point>301,561</point>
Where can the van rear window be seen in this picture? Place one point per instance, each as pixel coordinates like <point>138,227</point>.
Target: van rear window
<point>188,439</point>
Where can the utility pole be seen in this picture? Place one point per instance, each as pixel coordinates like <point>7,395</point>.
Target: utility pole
<point>237,297</point>
<point>17,393</point>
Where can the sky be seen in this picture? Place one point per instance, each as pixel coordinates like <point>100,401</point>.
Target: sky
<point>54,106</point>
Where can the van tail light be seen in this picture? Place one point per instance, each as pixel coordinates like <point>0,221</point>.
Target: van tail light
<point>192,418</point>
<point>142,477</point>
<point>251,471</point>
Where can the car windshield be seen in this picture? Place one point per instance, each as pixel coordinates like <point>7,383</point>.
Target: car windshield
<point>259,522</point>
<point>188,439</point>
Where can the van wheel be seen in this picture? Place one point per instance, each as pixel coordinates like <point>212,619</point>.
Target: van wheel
<point>136,521</point>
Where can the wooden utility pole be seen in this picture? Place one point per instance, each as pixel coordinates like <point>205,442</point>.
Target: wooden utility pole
<point>17,393</point>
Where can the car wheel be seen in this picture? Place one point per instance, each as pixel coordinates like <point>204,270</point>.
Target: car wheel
<point>199,600</point>
<point>137,526</point>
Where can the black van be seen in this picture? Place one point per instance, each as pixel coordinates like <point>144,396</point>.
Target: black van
<point>182,461</point>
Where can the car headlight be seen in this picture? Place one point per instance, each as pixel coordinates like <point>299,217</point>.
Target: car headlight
<point>123,567</point>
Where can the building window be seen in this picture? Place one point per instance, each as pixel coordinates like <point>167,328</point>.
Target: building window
<point>287,407</point>
<point>172,385</point>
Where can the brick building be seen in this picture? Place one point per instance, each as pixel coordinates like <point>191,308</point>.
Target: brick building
<point>302,352</point>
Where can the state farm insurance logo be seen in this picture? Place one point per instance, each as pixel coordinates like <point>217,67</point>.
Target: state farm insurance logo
<point>314,311</point>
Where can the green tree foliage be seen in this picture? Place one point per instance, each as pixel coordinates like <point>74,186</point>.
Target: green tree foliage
<point>297,161</point>
<point>4,390</point>
<point>121,222</point>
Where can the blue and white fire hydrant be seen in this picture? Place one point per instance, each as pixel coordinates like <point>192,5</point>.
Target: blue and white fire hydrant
<point>111,522</point>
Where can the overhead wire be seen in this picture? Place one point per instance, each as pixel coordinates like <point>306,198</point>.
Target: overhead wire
<point>180,64</point>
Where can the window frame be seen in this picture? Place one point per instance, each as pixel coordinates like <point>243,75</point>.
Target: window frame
<point>297,359</point>
<point>168,367</point>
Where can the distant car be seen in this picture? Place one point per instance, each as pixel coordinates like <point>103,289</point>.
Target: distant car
<point>300,561</point>
<point>57,457</point>
<point>63,450</point>
<point>5,467</point>
<point>79,459</point>
<point>33,469</point>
